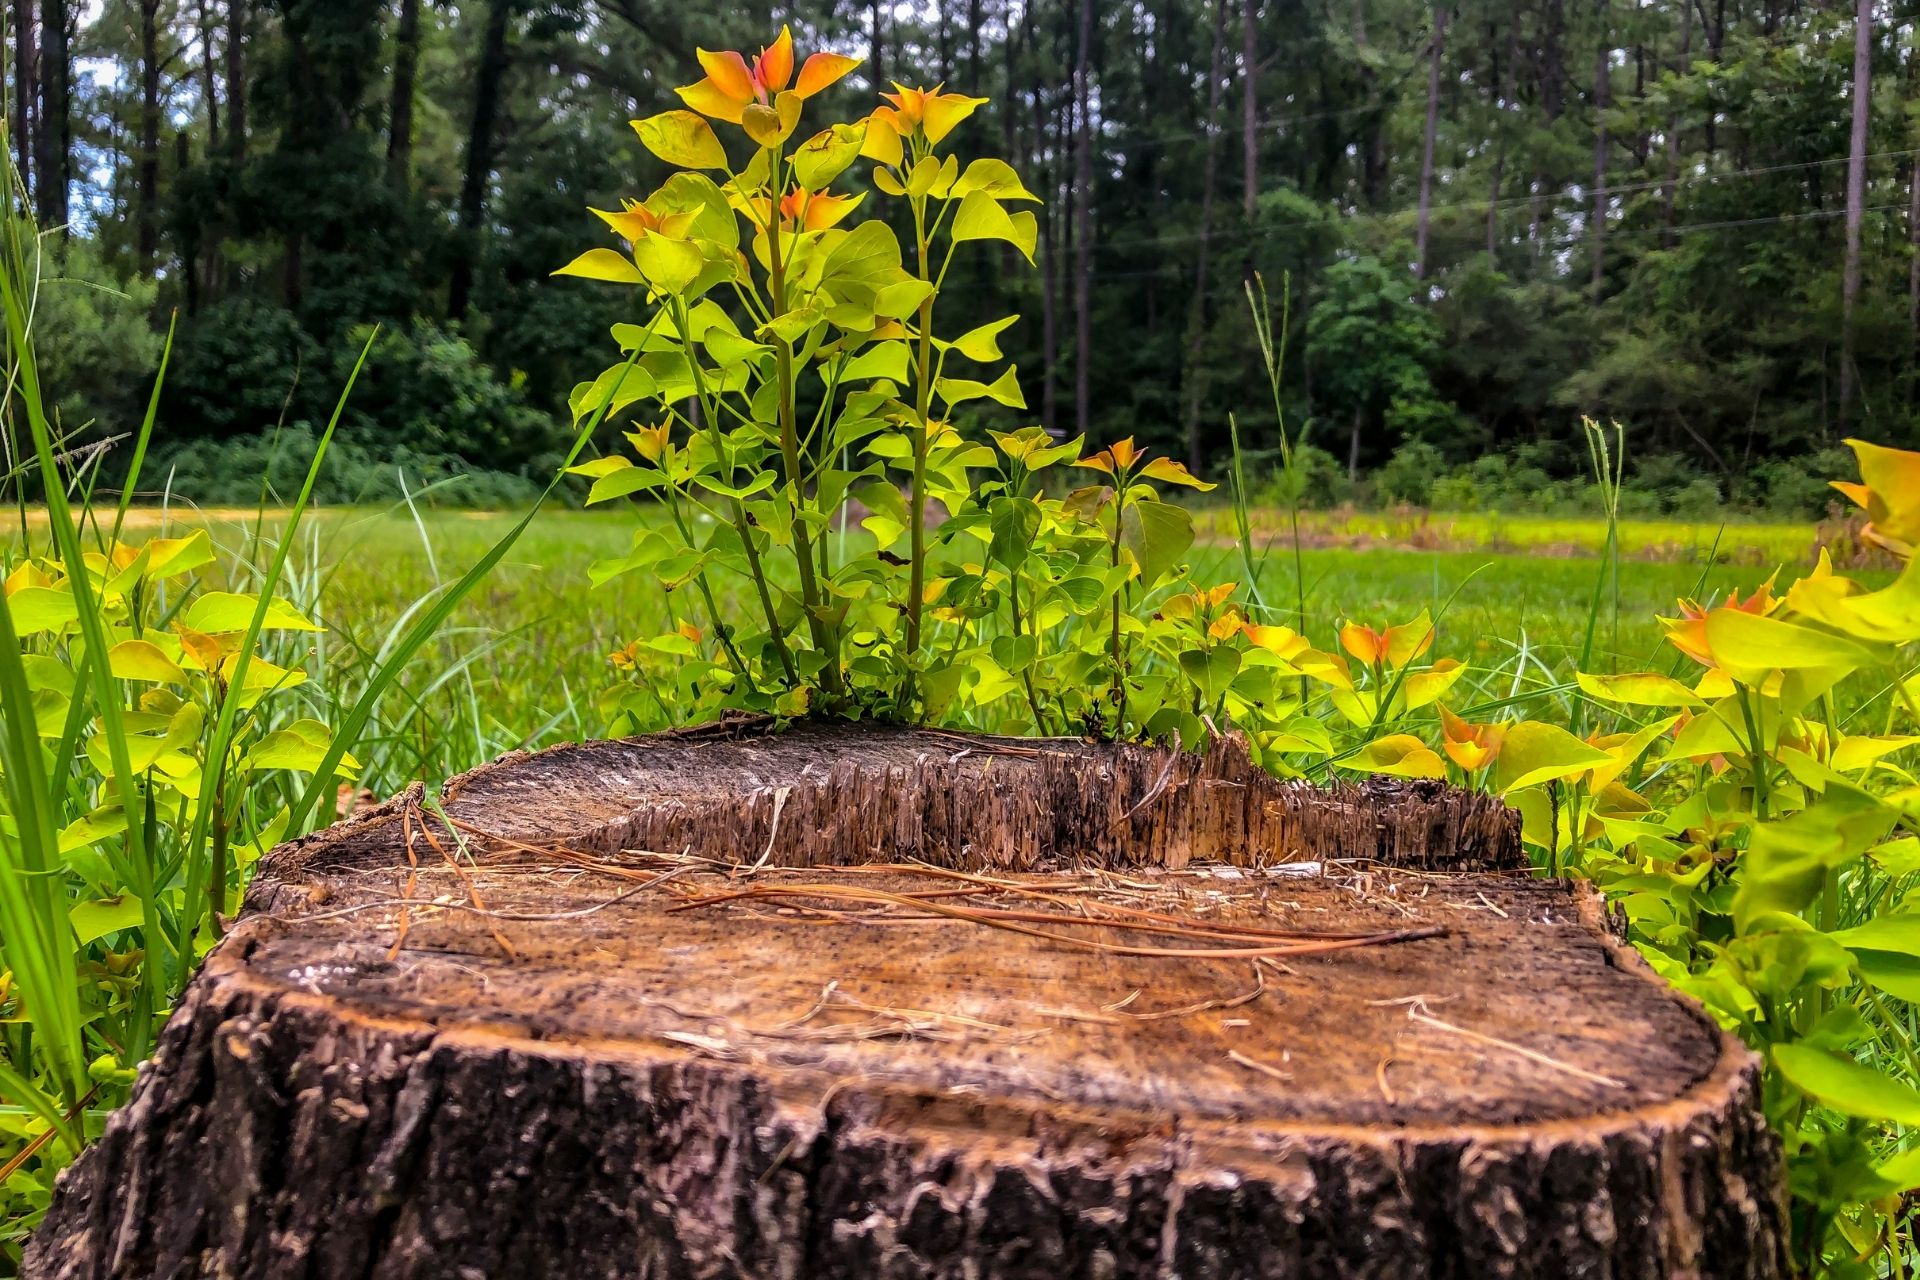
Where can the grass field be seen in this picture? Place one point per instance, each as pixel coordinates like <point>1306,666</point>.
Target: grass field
<point>526,657</point>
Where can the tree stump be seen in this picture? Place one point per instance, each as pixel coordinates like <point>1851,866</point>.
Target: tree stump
<point>870,1002</point>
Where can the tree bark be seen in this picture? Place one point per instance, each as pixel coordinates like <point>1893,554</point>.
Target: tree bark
<point>1249,107</point>
<point>147,181</point>
<point>53,123</point>
<point>237,23</point>
<point>479,168</point>
<point>805,1046</point>
<point>406,61</point>
<point>24,90</point>
<point>1050,268</point>
<point>1436,53</point>
<point>1602,101</point>
<point>1195,381</point>
<point>1667,190</point>
<point>1862,93</point>
<point>204,21</point>
<point>1082,219</point>
<point>1504,93</point>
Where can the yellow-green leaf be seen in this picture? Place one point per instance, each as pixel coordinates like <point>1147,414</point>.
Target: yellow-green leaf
<point>980,217</point>
<point>603,264</point>
<point>1399,755</point>
<point>143,660</point>
<point>1846,1086</point>
<point>683,139</point>
<point>95,920</point>
<point>1535,752</point>
<point>1643,689</point>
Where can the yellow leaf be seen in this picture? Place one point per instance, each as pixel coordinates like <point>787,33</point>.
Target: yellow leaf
<point>683,139</point>
<point>1167,471</point>
<point>143,660</point>
<point>603,264</point>
<point>1399,755</point>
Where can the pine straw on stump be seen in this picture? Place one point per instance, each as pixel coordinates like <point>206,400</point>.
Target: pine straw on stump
<point>868,1002</point>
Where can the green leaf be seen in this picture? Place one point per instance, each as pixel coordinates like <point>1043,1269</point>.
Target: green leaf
<point>1899,931</point>
<point>95,920</point>
<point>1786,862</point>
<point>1534,753</point>
<point>143,660</point>
<point>603,264</point>
<point>38,609</point>
<point>881,360</point>
<point>1895,973</point>
<point>626,480</point>
<point>991,177</point>
<point>827,154</point>
<point>668,265</point>
<point>301,746</point>
<point>1748,646</point>
<point>1015,523</point>
<point>981,218</point>
<point>1846,1086</point>
<point>1398,755</point>
<point>1158,534</point>
<point>1004,389</point>
<point>1211,670</point>
<point>682,139</point>
<point>902,298</point>
<point>222,611</point>
<point>1643,690</point>
<point>982,344</point>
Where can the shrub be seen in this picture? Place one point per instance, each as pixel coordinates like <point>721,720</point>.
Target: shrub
<point>1409,474</point>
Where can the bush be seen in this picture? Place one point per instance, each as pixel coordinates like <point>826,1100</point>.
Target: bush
<point>271,465</point>
<point>1318,479</point>
<point>94,342</point>
<point>1796,488</point>
<point>1409,474</point>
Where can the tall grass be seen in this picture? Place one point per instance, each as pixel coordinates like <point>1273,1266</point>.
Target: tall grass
<point>120,851</point>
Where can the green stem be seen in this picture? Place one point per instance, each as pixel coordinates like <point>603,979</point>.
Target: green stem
<point>739,509</point>
<point>706,594</point>
<point>917,494</point>
<point>1119,594</point>
<point>819,626</point>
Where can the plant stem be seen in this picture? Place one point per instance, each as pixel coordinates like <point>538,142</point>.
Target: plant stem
<point>917,494</point>
<point>1119,594</point>
<point>822,630</point>
<point>738,509</point>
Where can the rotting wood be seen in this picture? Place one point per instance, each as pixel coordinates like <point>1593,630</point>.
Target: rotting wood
<point>727,1003</point>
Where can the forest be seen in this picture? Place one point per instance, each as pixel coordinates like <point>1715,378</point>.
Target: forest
<point>1478,222</point>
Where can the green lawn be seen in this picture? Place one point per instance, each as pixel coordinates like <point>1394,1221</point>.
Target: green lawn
<point>526,657</point>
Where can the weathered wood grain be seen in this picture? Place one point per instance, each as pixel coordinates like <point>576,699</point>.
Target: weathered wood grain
<point>537,1045</point>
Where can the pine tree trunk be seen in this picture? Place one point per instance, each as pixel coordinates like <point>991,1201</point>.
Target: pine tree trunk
<point>1862,93</point>
<point>204,21</point>
<point>479,167</point>
<point>1437,51</point>
<point>148,175</point>
<point>238,15</point>
<point>1602,102</point>
<point>53,123</point>
<point>406,61</point>
<point>810,1040</point>
<point>25,90</point>
<point>1667,190</point>
<point>1249,108</point>
<point>1195,380</point>
<point>1083,219</point>
<point>1050,268</point>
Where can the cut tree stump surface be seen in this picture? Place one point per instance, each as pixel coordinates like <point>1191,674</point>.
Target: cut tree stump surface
<point>875,1002</point>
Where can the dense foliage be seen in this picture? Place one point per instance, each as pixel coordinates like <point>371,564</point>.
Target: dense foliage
<point>1494,217</point>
